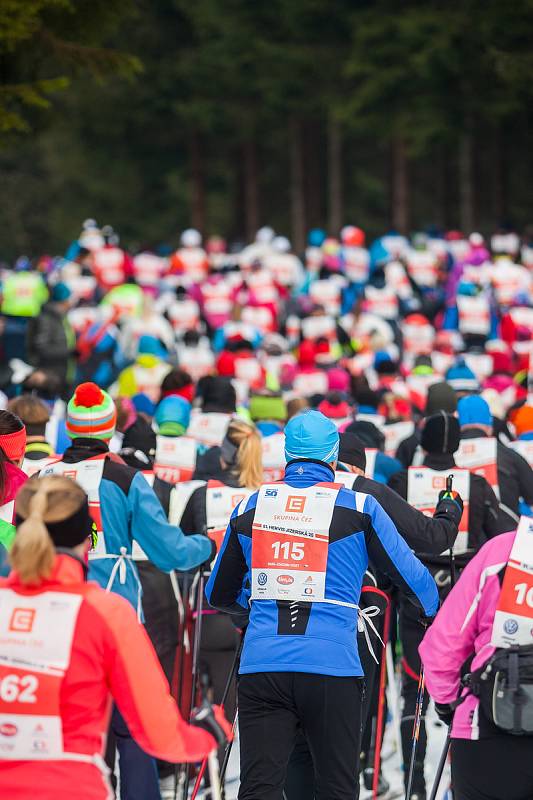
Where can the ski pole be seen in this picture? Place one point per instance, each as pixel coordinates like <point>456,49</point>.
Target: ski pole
<point>381,701</point>
<point>394,700</point>
<point>440,767</point>
<point>449,483</point>
<point>232,672</point>
<point>183,610</point>
<point>416,730</point>
<point>195,665</point>
<point>227,753</point>
<point>222,703</point>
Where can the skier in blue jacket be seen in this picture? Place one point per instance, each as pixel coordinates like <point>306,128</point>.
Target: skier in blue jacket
<point>124,508</point>
<point>297,551</point>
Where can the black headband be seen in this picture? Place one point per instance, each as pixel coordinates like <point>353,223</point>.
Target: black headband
<point>71,531</point>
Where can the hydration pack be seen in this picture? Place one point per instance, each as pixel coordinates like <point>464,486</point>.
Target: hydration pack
<point>504,686</point>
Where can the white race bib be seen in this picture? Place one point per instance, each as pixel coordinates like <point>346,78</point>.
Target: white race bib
<point>273,448</point>
<point>290,537</point>
<point>220,502</point>
<point>479,456</point>
<point>423,487</point>
<point>175,458</point>
<point>88,474</point>
<point>513,620</point>
<point>36,633</point>
<point>209,429</point>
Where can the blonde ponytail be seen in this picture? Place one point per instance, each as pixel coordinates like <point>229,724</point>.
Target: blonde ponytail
<point>32,554</point>
<point>249,455</point>
<point>39,501</point>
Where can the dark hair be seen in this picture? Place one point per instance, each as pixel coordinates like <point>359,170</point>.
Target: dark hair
<point>9,423</point>
<point>366,397</point>
<point>33,413</point>
<point>216,394</point>
<point>43,383</point>
<point>177,378</point>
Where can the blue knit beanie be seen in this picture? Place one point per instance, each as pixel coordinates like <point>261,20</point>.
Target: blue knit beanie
<point>474,410</point>
<point>311,435</point>
<point>461,378</point>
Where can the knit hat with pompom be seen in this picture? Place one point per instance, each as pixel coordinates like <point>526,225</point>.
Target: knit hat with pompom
<point>91,413</point>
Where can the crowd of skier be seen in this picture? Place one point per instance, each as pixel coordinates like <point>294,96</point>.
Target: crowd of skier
<point>273,469</point>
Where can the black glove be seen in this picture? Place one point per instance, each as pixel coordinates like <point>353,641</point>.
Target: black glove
<point>445,712</point>
<point>211,719</point>
<point>206,566</point>
<point>451,505</point>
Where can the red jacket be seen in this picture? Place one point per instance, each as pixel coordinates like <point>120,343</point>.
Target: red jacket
<point>111,657</point>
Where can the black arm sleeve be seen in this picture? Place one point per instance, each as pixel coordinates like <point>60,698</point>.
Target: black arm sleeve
<point>398,483</point>
<point>525,477</point>
<point>491,509</point>
<point>194,519</point>
<point>428,535</point>
<point>226,582</point>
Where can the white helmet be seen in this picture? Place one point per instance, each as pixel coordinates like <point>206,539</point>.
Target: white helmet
<point>191,238</point>
<point>281,244</point>
<point>88,223</point>
<point>264,235</point>
<point>346,231</point>
<point>476,239</point>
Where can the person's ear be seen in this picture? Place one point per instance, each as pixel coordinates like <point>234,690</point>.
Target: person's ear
<point>333,465</point>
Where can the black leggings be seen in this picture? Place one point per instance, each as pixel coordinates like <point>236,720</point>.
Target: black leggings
<point>499,768</point>
<point>273,706</point>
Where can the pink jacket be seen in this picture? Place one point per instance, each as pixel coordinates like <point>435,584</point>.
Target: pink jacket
<point>462,627</point>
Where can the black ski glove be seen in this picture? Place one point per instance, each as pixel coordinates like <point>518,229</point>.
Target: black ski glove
<point>211,719</point>
<point>445,712</point>
<point>451,505</point>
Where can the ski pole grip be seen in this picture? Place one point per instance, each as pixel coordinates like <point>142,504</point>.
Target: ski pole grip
<point>449,483</point>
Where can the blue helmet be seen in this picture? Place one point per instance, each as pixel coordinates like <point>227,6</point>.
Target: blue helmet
<point>316,237</point>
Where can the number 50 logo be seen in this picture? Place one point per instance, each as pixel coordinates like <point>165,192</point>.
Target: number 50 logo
<point>295,504</point>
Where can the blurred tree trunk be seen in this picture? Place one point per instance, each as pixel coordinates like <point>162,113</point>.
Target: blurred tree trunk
<point>251,188</point>
<point>499,177</point>
<point>335,188</point>
<point>400,186</point>
<point>466,179</point>
<point>237,230</point>
<point>438,172</point>
<point>313,193</point>
<point>197,173</point>
<point>297,184</point>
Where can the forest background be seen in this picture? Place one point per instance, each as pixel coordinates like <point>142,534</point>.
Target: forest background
<point>153,115</point>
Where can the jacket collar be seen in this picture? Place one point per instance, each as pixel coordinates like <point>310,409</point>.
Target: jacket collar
<point>83,448</point>
<point>473,433</point>
<point>306,470</point>
<point>439,461</point>
<point>67,569</point>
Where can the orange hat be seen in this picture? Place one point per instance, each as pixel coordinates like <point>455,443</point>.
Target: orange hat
<point>523,420</point>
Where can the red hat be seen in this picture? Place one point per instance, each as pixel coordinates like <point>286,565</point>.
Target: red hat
<point>352,236</point>
<point>335,410</point>
<point>502,362</point>
<point>226,364</point>
<point>306,354</point>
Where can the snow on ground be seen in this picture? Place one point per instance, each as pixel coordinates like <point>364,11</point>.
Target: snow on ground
<point>391,765</point>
